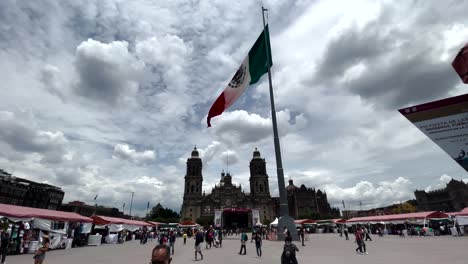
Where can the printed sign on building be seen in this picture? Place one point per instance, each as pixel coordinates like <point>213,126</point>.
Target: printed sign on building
<point>217,220</point>
<point>255,217</point>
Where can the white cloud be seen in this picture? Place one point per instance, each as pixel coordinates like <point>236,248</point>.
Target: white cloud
<point>125,152</point>
<point>371,195</point>
<point>229,157</point>
<point>241,127</point>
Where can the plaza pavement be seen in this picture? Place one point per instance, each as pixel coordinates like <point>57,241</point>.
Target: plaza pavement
<point>322,248</point>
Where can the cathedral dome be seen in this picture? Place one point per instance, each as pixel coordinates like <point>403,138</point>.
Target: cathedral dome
<point>195,153</point>
<point>256,153</point>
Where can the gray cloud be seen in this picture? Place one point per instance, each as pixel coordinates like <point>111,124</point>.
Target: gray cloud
<point>22,136</point>
<point>50,77</point>
<point>107,71</point>
<point>395,65</point>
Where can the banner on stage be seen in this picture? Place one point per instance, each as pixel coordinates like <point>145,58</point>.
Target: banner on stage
<point>445,122</point>
<point>255,217</point>
<point>217,219</point>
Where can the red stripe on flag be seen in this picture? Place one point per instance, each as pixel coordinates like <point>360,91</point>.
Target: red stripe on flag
<point>216,109</point>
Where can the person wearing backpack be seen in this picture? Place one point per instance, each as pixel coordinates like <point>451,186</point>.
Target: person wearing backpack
<point>289,252</point>
<point>198,241</point>
<point>244,239</point>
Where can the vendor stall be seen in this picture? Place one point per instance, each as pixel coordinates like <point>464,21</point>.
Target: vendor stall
<point>29,224</point>
<point>114,225</point>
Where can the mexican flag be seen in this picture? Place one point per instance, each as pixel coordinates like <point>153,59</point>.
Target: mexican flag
<point>250,71</point>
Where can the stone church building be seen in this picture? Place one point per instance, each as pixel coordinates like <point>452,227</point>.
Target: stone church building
<point>236,205</point>
<point>452,198</point>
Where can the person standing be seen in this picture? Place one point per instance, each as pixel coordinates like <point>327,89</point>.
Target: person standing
<point>198,241</point>
<point>244,239</point>
<point>40,253</point>
<point>207,239</point>
<point>258,243</point>
<point>457,227</point>
<point>289,252</point>
<point>185,237</point>
<point>302,234</point>
<point>5,244</point>
<point>220,238</point>
<point>172,239</point>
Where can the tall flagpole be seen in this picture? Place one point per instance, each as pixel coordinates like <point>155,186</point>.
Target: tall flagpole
<point>285,220</point>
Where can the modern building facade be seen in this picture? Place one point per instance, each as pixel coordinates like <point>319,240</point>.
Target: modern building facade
<point>452,198</point>
<point>22,192</point>
<point>237,205</point>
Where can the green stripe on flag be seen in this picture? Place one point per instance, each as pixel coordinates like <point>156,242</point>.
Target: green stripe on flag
<point>258,57</point>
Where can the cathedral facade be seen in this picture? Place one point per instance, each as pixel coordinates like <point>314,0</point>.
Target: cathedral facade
<point>230,197</point>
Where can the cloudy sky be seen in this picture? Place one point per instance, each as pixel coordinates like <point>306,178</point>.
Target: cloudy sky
<point>109,97</point>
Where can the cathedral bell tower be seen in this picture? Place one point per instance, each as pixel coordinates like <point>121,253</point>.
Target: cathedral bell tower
<point>259,186</point>
<point>191,206</point>
<point>193,176</point>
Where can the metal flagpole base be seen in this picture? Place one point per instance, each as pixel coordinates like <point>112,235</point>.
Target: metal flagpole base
<point>288,222</point>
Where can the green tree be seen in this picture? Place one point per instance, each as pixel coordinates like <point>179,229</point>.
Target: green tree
<point>310,215</point>
<point>205,220</point>
<point>166,215</point>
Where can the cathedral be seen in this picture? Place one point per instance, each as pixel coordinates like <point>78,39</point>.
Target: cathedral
<point>237,206</point>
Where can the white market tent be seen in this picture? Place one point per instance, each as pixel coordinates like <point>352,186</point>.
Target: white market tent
<point>118,224</point>
<point>461,217</point>
<point>274,223</point>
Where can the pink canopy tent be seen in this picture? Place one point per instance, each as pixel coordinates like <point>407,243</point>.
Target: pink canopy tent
<point>334,221</point>
<point>304,221</point>
<point>106,220</point>
<point>399,217</point>
<point>463,212</point>
<point>155,224</point>
<point>15,211</point>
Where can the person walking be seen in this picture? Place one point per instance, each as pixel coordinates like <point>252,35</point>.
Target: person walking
<point>366,232</point>
<point>40,253</point>
<point>5,244</point>
<point>185,237</point>
<point>172,239</point>
<point>258,243</point>
<point>244,239</point>
<point>346,233</point>
<point>198,241</point>
<point>302,235</point>
<point>289,252</point>
<point>361,249</point>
